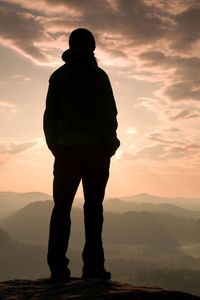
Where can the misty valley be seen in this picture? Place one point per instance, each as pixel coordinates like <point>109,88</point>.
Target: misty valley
<point>148,241</point>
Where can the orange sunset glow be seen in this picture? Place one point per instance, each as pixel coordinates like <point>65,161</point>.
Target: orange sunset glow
<point>151,52</point>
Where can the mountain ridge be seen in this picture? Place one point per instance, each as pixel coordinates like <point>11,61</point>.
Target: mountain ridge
<point>128,227</point>
<point>12,201</point>
<point>119,205</point>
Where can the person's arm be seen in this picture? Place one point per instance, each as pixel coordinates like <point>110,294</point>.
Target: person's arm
<point>51,116</point>
<point>107,112</point>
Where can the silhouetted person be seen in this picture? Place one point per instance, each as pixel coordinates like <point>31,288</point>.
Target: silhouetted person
<point>80,129</point>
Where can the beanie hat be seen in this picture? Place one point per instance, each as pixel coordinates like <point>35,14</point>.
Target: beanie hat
<point>82,38</point>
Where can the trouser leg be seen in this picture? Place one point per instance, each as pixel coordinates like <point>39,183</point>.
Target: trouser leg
<point>94,184</point>
<point>65,184</point>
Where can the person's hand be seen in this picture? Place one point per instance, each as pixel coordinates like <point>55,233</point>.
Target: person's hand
<point>112,148</point>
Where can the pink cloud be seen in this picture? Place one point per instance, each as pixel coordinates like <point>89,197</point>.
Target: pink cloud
<point>8,150</point>
<point>4,158</point>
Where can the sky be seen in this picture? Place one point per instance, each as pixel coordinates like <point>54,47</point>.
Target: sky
<point>151,51</point>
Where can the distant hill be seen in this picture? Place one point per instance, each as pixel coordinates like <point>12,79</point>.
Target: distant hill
<point>188,203</point>
<point>31,225</point>
<point>11,202</point>
<point>118,205</point>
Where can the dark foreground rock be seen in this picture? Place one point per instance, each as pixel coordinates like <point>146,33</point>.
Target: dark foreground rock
<point>84,289</point>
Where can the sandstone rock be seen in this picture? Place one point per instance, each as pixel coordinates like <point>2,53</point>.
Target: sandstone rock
<point>78,289</point>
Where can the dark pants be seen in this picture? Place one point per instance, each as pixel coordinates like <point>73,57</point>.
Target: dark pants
<point>89,163</point>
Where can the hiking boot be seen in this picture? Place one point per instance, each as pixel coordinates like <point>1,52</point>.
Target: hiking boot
<point>60,276</point>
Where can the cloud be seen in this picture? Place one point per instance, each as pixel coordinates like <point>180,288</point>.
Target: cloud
<point>186,90</point>
<point>125,156</point>
<point>168,145</point>
<point>159,137</point>
<point>131,131</point>
<point>9,150</point>
<point>174,60</point>
<point>22,31</point>
<point>185,114</point>
<point>151,152</point>
<point>171,129</point>
<point>165,153</point>
<point>180,75</point>
<point>187,22</point>
<point>157,39</point>
<point>118,25</point>
<point>21,77</point>
<point>122,28</point>
<point>8,107</point>
<point>184,16</point>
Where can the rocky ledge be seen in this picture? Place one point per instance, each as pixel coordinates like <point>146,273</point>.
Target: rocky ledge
<point>78,289</point>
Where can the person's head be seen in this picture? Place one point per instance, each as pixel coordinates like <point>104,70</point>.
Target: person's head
<point>82,39</point>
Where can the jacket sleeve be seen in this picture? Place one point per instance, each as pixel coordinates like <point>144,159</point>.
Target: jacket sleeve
<point>51,116</point>
<point>107,113</point>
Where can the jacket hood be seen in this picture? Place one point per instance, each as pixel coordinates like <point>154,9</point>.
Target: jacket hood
<point>79,57</point>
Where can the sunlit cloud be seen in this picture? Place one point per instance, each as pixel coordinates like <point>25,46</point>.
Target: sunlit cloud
<point>142,43</point>
<point>9,150</point>
<point>8,107</point>
<point>123,29</point>
<point>152,152</point>
<point>125,156</point>
<point>21,77</point>
<point>131,130</point>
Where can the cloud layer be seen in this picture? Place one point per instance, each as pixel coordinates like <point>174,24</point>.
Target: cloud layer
<point>160,37</point>
<point>150,40</point>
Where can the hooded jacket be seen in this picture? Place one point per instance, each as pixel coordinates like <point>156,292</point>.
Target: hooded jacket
<point>80,106</point>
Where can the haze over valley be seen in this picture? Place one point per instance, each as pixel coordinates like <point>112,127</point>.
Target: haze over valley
<point>154,242</point>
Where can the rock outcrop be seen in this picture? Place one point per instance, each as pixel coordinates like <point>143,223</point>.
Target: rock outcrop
<point>78,289</point>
